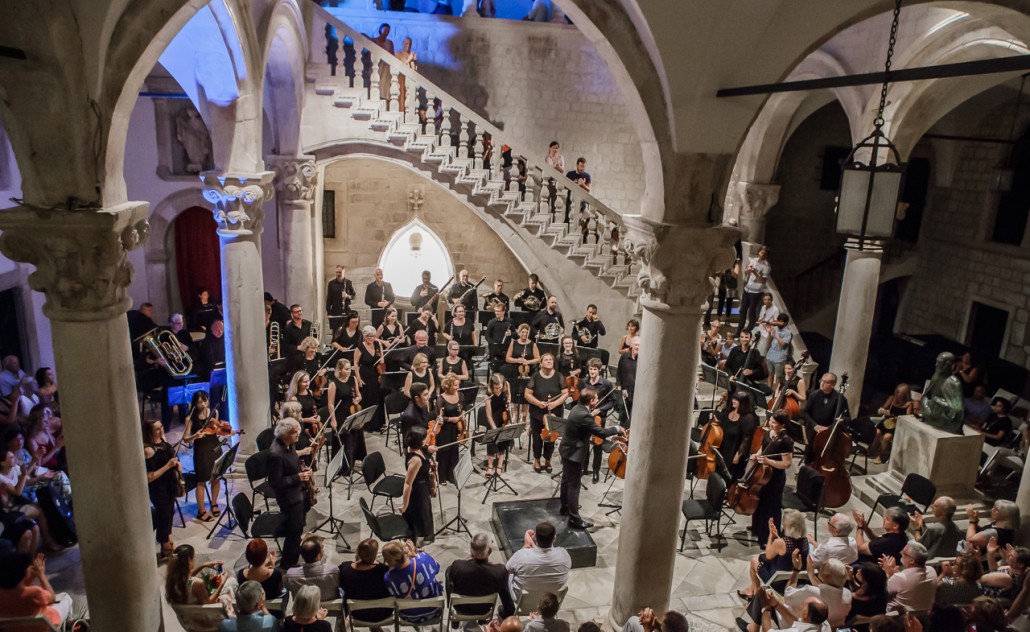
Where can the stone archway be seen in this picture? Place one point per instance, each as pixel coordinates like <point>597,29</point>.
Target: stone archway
<point>159,253</point>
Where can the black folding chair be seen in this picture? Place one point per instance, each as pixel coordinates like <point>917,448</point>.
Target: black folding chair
<point>709,509</point>
<point>863,432</point>
<point>378,482</point>
<point>386,527</point>
<point>808,494</point>
<point>916,490</point>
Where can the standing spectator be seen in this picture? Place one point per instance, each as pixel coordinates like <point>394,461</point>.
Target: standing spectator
<point>476,576</point>
<point>251,615</point>
<point>580,176</point>
<point>548,621</point>
<point>766,317</point>
<point>314,571</point>
<point>969,373</point>
<point>539,566</point>
<point>412,575</point>
<point>779,348</point>
<point>488,150</point>
<point>755,277</point>
<point>11,376</point>
<point>203,312</point>
<point>914,585</point>
<point>409,58</point>
<point>626,372</point>
<point>552,159</point>
<point>890,543</point>
<point>384,69</point>
<point>25,590</point>
<point>308,615</point>
<point>941,536</point>
<point>839,546</point>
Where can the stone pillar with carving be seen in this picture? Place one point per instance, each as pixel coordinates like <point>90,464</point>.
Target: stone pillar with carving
<point>82,267</point>
<point>295,182</point>
<point>755,201</point>
<point>855,311</point>
<point>675,261</point>
<point>237,200</point>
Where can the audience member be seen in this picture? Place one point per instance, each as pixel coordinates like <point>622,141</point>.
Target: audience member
<point>828,586</point>
<point>510,624</point>
<point>839,546</point>
<point>987,615</point>
<point>977,407</point>
<point>1003,527</point>
<point>314,572</point>
<point>25,590</point>
<point>914,585</point>
<point>755,277</point>
<point>412,575</point>
<point>580,176</point>
<point>547,621</point>
<point>251,615</point>
<point>184,584</point>
<point>942,536</point>
<point>308,614</point>
<point>814,614</point>
<point>779,551</point>
<point>647,621</point>
<point>1005,581</point>
<point>476,576</point>
<point>868,595</point>
<point>943,618</point>
<point>889,543</point>
<point>362,579</point>
<point>261,569</point>
<point>959,582</point>
<point>539,566</point>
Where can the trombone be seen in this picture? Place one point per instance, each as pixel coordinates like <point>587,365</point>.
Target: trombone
<point>164,346</point>
<point>274,341</point>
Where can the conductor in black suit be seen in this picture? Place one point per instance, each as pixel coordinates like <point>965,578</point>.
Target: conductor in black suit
<point>575,450</point>
<point>287,477</point>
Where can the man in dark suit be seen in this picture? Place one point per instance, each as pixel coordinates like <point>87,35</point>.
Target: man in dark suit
<point>575,449</point>
<point>417,412</point>
<point>475,576</point>
<point>338,295</point>
<point>378,295</point>
<point>287,477</point>
<point>421,346</point>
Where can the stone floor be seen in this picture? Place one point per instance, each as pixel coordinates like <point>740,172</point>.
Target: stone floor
<point>707,574</point>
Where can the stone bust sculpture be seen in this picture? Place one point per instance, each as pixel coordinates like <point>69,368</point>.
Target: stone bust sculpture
<point>191,132</point>
<point>942,401</point>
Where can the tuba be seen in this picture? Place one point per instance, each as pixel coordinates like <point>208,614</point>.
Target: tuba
<point>274,341</point>
<point>163,345</point>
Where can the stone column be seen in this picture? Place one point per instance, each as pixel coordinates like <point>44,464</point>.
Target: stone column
<point>755,201</point>
<point>675,260</point>
<point>237,199</point>
<point>1023,501</point>
<point>855,317</point>
<point>295,183</point>
<point>82,268</point>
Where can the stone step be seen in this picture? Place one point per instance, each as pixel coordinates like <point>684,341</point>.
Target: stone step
<point>325,90</point>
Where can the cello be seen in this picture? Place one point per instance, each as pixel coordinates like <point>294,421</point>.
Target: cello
<point>789,403</point>
<point>711,440</point>
<point>743,496</point>
<point>831,448</point>
<point>619,456</point>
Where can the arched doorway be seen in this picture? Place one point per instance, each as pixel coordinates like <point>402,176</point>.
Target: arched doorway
<point>412,249</point>
<point>198,258</point>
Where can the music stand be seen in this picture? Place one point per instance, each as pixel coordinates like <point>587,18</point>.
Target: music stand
<point>588,353</point>
<point>218,379</point>
<point>547,347</point>
<point>462,473</point>
<point>336,465</point>
<point>377,316</point>
<point>497,436</point>
<point>485,316</point>
<point>520,318</point>
<point>219,470</point>
<point>356,421</point>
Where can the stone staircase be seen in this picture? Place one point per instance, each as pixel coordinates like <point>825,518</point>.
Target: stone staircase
<point>448,148</point>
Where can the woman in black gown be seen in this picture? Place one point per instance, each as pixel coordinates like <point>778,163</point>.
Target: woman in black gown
<point>348,337</point>
<point>455,365</point>
<point>777,453</point>
<point>449,409</point>
<point>368,354</point>
<point>462,330</point>
<point>496,414</point>
<point>163,471</point>
<point>416,503</point>
<point>206,450</point>
<point>519,364</point>
<point>738,423</point>
<point>391,330</point>
<point>341,396</point>
<point>300,392</point>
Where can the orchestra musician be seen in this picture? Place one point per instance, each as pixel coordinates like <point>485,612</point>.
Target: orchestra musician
<point>498,333</point>
<point>532,298</point>
<point>778,453</point>
<point>522,354</point>
<point>426,293</point>
<point>417,414</point>
<point>378,296</point>
<point>426,322</point>
<point>206,450</point>
<point>300,392</point>
<point>294,333</point>
<point>462,330</point>
<point>420,373</point>
<point>626,375</point>
<point>449,410</point>
<point>497,296</point>
<point>738,422</point>
<point>390,329</point>
<point>497,414</point>
<point>745,364</point>
<point>421,346</point>
<point>794,384</point>
<point>338,295</point>
<point>546,394</point>
<point>203,313</point>
<point>453,364</point>
<point>163,473</point>
<point>287,477</point>
<point>821,406</point>
<point>308,359</point>
<point>548,324</point>
<point>590,329</point>
<point>212,350</point>
<point>568,363</point>
<point>607,404</point>
<point>575,451</point>
<point>341,394</point>
<point>632,331</point>
<point>348,337</point>
<point>367,356</point>
<point>417,502</point>
<point>279,313</point>
<point>463,293</point>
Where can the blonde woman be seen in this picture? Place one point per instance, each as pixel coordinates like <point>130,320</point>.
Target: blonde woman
<point>449,408</point>
<point>420,374</point>
<point>342,400</point>
<point>300,392</point>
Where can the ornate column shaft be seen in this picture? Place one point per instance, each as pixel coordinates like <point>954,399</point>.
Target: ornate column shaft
<point>675,262</point>
<point>295,182</point>
<point>755,201</point>
<point>82,268</point>
<point>237,199</point>
<point>855,317</point>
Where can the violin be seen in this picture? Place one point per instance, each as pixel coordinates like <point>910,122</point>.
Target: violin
<point>619,456</point>
<point>217,428</point>
<point>434,429</point>
<point>546,433</point>
<point>572,383</point>
<point>831,447</point>
<point>434,477</point>
<point>525,370</point>
<point>318,385</point>
<point>711,440</point>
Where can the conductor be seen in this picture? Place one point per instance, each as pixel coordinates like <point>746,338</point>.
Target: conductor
<point>575,450</point>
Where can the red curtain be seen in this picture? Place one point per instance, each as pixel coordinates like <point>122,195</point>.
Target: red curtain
<point>198,260</point>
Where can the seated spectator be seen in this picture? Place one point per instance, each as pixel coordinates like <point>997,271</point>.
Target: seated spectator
<point>942,536</point>
<point>890,543</point>
<point>828,586</point>
<point>895,623</point>
<point>412,575</point>
<point>647,621</point>
<point>509,624</point>
<point>539,566</point>
<point>308,614</point>
<point>779,551</point>
<point>314,572</point>
<point>261,569</point>
<point>977,408</point>
<point>25,590</point>
<point>548,613</point>
<point>997,428</point>
<point>945,618</point>
<point>476,576</point>
<point>362,579</point>
<point>17,532</point>
<point>868,595</point>
<point>42,440</point>
<point>251,615</point>
<point>27,397</point>
<point>813,614</point>
<point>914,585</point>
<point>959,582</point>
<point>1005,581</point>
<point>1003,527</point>
<point>185,587</point>
<point>14,480</point>
<point>987,615</point>
<point>839,546</point>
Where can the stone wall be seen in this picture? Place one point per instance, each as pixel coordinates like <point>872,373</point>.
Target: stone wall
<point>372,204</point>
<point>541,81</point>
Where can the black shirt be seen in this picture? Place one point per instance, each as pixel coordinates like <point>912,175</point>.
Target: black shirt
<point>579,429</point>
<point>541,321</point>
<point>429,327</point>
<point>596,329</point>
<point>365,585</point>
<point>212,353</point>
<point>412,351</point>
<point>996,424</point>
<point>375,293</point>
<point>499,332</point>
<point>459,289</point>
<point>202,315</point>
<point>626,373</point>
<point>493,297</point>
<point>478,578</point>
<point>739,360</point>
<point>521,297</point>
<point>280,314</point>
<point>889,544</point>
<point>821,409</point>
<point>284,474</point>
<point>544,388</point>
<point>338,296</point>
<point>418,301</point>
<point>293,335</point>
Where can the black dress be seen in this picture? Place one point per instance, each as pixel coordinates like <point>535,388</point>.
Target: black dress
<point>347,341</point>
<point>458,368</point>
<point>543,390</point>
<point>162,490</point>
<point>419,514</point>
<point>567,363</point>
<point>498,405</point>
<point>309,408</point>
<point>353,441</point>
<point>206,449</point>
<point>770,501</point>
<point>320,625</point>
<point>390,334</point>
<point>366,585</point>
<point>447,458</point>
<point>463,335</point>
<point>273,584</point>
<point>736,438</point>
<point>518,383</point>
<point>371,393</point>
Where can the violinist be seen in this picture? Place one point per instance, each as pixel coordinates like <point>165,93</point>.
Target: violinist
<point>391,330</point>
<point>420,374</point>
<point>568,363</point>
<point>453,364</point>
<point>498,334</point>
<point>342,395</point>
<point>738,422</point>
<point>417,502</point>
<point>367,358</point>
<point>308,359</point>
<point>777,453</point>
<point>300,392</point>
<point>546,393</point>
<point>287,476</point>
<point>206,450</point>
<point>746,365</point>
<point>575,450</point>
<point>497,413</point>
<point>348,337</point>
<point>417,414</point>
<point>520,358</point>
<point>163,475</point>
<point>603,388</point>
<point>449,409</point>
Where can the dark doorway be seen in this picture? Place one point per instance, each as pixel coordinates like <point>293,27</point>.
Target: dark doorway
<point>10,326</point>
<point>198,258</point>
<point>986,329</point>
<point>1013,205</point>
<point>917,183</point>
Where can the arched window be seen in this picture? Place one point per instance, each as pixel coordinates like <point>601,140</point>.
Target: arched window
<point>412,249</point>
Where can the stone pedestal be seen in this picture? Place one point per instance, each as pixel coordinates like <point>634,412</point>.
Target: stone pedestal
<point>295,180</point>
<point>855,318</point>
<point>82,267</point>
<point>237,199</point>
<point>675,262</point>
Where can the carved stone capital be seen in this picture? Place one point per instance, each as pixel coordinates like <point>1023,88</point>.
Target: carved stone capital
<point>756,199</point>
<point>81,258</point>
<point>237,199</point>
<point>677,259</point>
<point>295,177</point>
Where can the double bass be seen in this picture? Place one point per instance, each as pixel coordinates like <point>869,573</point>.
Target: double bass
<point>831,448</point>
<point>619,456</point>
<point>711,440</point>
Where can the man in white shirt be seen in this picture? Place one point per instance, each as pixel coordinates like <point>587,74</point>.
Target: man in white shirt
<point>914,586</point>
<point>828,587</point>
<point>756,275</point>
<point>839,546</point>
<point>766,316</point>
<point>314,571</point>
<point>539,566</point>
<point>11,375</point>
<point>813,614</point>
